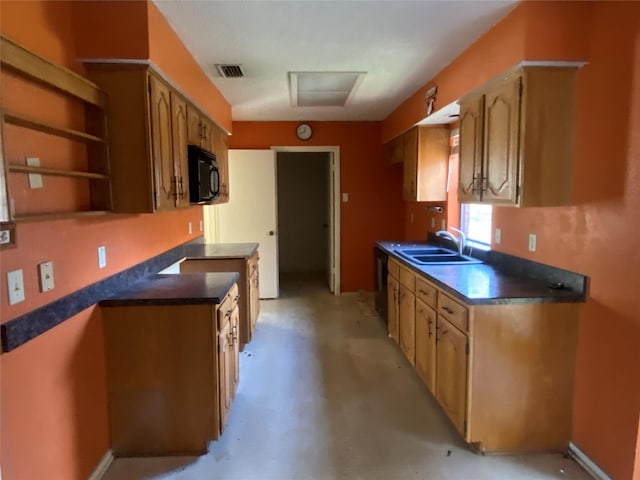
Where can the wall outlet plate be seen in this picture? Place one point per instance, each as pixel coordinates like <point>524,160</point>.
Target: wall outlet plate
<point>190,228</point>
<point>201,226</point>
<point>102,256</point>
<point>532,242</point>
<point>15,287</point>
<point>498,236</point>
<point>45,274</point>
<point>35,179</point>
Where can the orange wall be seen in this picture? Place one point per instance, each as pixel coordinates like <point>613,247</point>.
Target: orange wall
<point>168,52</point>
<point>375,191</point>
<point>53,400</point>
<point>137,30</point>
<point>598,236</point>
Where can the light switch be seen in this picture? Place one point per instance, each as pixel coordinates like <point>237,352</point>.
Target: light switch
<point>45,271</point>
<point>201,226</point>
<point>411,217</point>
<point>190,228</point>
<point>15,287</point>
<point>35,179</point>
<point>532,242</point>
<point>345,197</point>
<point>433,222</point>
<point>102,257</point>
<point>498,236</point>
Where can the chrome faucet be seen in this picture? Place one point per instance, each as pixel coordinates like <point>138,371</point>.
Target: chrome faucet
<point>460,241</point>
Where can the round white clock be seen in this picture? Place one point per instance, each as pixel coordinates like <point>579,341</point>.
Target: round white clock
<point>304,131</point>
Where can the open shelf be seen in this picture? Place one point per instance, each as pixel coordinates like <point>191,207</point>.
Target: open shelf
<point>32,67</point>
<point>34,124</point>
<point>56,172</point>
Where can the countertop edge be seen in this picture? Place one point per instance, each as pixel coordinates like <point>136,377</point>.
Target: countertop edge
<point>568,297</point>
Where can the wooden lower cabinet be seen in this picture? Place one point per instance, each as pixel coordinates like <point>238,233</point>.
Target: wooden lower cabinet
<point>426,343</point>
<point>503,373</point>
<point>451,362</point>
<point>170,376</point>
<point>228,354</point>
<point>407,318</point>
<point>248,287</point>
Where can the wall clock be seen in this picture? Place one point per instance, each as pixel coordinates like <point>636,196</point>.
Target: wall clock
<point>304,131</point>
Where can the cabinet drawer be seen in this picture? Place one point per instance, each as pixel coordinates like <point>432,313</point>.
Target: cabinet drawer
<point>393,268</point>
<point>426,292</point>
<point>453,311</point>
<point>408,278</point>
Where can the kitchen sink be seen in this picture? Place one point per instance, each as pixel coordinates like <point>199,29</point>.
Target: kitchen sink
<point>435,255</point>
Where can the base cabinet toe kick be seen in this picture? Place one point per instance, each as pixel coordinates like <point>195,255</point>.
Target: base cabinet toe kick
<point>503,373</point>
<point>172,370</point>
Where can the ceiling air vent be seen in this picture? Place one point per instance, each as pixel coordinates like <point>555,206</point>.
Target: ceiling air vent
<point>230,71</point>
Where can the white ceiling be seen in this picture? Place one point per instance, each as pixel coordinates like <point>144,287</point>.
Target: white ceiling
<point>400,45</point>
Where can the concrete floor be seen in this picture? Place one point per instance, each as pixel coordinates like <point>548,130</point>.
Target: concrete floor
<point>324,394</point>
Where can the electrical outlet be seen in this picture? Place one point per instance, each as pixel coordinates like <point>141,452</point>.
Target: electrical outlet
<point>532,242</point>
<point>15,287</point>
<point>45,271</point>
<point>433,222</point>
<point>498,236</point>
<point>345,197</point>
<point>190,228</point>
<point>102,256</point>
<point>201,226</point>
<point>443,224</point>
<point>35,179</point>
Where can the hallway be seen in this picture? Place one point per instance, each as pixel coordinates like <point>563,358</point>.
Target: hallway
<point>324,394</point>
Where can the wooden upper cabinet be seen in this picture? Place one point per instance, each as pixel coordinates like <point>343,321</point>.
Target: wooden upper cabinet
<point>150,127</point>
<point>516,138</point>
<point>471,130</point>
<point>501,124</point>
<point>395,150</point>
<point>426,163</point>
<point>180,142</point>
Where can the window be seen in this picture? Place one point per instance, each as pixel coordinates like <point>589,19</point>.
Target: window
<point>475,222</point>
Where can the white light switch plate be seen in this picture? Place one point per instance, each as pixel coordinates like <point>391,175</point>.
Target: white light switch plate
<point>102,257</point>
<point>45,271</point>
<point>35,179</point>
<point>15,287</point>
<point>498,236</point>
<point>201,226</point>
<point>190,228</point>
<point>345,197</point>
<point>433,222</point>
<point>532,242</point>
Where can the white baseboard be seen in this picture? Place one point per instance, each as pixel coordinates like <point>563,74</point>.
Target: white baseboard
<point>102,466</point>
<point>585,462</point>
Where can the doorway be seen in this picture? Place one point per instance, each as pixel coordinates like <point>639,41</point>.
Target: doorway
<point>303,214</point>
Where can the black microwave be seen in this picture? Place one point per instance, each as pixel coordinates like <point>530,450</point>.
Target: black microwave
<point>204,176</point>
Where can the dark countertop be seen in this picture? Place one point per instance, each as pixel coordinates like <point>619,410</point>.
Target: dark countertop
<point>483,283</point>
<point>175,289</point>
<point>204,251</point>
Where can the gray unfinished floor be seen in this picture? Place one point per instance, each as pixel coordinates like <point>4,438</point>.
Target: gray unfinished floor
<point>324,394</point>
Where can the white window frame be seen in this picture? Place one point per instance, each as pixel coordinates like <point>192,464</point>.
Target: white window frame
<point>476,242</point>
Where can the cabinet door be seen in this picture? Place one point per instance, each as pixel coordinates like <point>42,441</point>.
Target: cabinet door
<point>194,128</point>
<point>501,143</point>
<point>407,321</point>
<point>426,318</point>
<point>254,299</point>
<point>206,140</point>
<point>451,379</point>
<point>161,144</point>
<point>471,128</point>
<point>222,157</point>
<point>235,347</point>
<point>180,142</point>
<point>410,164</point>
<point>225,374</point>
<point>393,287</point>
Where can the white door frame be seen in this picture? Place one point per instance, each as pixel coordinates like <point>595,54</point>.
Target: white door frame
<point>335,166</point>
